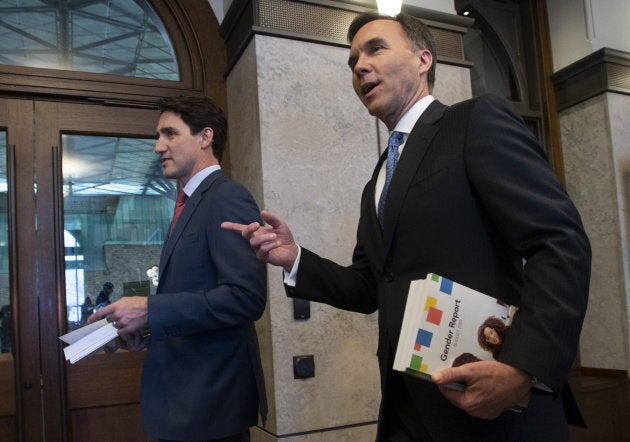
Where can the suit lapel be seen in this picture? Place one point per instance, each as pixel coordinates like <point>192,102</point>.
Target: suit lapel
<point>189,209</point>
<point>415,148</point>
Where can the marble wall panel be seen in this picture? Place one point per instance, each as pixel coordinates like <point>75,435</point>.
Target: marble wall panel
<point>318,147</point>
<point>452,84</point>
<point>618,111</point>
<point>591,182</point>
<point>245,167</point>
<point>244,124</point>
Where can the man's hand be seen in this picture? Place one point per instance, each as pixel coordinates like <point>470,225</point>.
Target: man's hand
<point>491,387</point>
<point>128,314</point>
<point>273,244</point>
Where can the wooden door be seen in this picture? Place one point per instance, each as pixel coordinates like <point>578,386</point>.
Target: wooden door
<point>100,183</point>
<point>92,208</point>
<point>20,398</point>
<point>56,236</point>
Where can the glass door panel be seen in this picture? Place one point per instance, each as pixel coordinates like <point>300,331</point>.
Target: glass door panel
<point>102,210</point>
<point>5,302</point>
<point>117,209</point>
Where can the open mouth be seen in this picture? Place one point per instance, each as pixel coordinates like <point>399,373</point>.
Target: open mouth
<point>368,87</point>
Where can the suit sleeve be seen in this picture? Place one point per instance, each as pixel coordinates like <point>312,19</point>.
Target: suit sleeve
<point>536,217</point>
<point>238,295</point>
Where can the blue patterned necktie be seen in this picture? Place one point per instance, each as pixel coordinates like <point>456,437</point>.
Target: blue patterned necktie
<point>395,140</point>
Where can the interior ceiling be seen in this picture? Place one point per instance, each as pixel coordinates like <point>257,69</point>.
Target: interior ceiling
<point>116,37</point>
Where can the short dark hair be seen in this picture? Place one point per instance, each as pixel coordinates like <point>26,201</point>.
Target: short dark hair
<point>417,32</point>
<point>199,113</point>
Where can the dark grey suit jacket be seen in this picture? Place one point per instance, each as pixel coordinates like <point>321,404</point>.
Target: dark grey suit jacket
<point>472,199</point>
<point>202,377</point>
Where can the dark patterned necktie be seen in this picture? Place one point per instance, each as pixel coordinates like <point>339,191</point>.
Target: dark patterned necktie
<point>180,202</point>
<point>395,140</point>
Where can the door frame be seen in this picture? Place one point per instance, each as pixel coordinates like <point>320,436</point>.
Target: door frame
<point>119,381</point>
<point>200,52</point>
<point>16,117</point>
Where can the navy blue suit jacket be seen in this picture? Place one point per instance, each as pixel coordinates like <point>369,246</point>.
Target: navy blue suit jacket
<point>202,377</point>
<point>472,199</point>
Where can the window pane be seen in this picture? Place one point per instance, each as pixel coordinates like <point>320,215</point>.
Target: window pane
<point>122,37</point>
<point>5,302</point>
<point>117,210</point>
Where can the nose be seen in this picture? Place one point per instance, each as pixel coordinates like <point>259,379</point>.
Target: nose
<point>361,66</point>
<point>159,146</point>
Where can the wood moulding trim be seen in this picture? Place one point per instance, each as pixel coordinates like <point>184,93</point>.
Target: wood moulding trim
<point>326,22</point>
<point>604,372</point>
<point>606,70</point>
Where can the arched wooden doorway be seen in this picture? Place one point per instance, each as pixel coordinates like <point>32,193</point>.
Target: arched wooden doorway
<point>48,116</point>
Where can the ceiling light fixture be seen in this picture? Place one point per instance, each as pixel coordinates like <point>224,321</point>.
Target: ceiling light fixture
<point>389,7</point>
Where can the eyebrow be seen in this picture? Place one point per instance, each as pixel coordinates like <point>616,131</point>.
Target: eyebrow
<point>164,130</point>
<point>377,41</point>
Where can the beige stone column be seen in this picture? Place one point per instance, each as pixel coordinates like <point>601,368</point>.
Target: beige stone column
<point>595,128</point>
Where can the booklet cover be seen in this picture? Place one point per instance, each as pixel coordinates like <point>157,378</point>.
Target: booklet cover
<point>87,339</point>
<point>446,325</point>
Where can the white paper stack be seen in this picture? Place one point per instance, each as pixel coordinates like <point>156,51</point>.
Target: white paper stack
<point>88,339</point>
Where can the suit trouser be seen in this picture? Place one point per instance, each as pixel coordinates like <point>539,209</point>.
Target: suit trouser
<point>241,437</point>
<point>400,421</point>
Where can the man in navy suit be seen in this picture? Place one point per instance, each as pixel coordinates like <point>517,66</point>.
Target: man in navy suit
<point>470,197</point>
<point>202,377</point>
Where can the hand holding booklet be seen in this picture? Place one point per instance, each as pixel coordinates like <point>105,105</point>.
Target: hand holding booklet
<point>87,339</point>
<point>447,325</point>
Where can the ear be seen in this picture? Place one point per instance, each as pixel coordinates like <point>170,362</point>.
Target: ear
<point>207,135</point>
<point>426,60</point>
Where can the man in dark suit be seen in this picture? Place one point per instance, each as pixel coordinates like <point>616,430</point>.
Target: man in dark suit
<point>202,376</point>
<point>471,198</point>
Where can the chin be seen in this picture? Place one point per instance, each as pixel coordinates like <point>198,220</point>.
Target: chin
<point>168,175</point>
<point>373,109</point>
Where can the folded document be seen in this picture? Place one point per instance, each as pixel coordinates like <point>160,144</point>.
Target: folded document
<point>87,339</point>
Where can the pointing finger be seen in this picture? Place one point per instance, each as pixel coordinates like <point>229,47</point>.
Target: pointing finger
<point>236,227</point>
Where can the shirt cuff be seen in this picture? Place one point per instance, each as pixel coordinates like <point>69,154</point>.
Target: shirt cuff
<point>290,278</point>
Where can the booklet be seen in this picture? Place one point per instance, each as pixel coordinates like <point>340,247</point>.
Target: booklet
<point>88,339</point>
<point>446,324</point>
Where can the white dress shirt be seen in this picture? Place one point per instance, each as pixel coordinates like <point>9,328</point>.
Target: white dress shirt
<point>197,178</point>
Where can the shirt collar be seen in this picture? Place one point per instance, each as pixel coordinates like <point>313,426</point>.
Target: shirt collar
<point>197,178</point>
<point>409,119</point>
